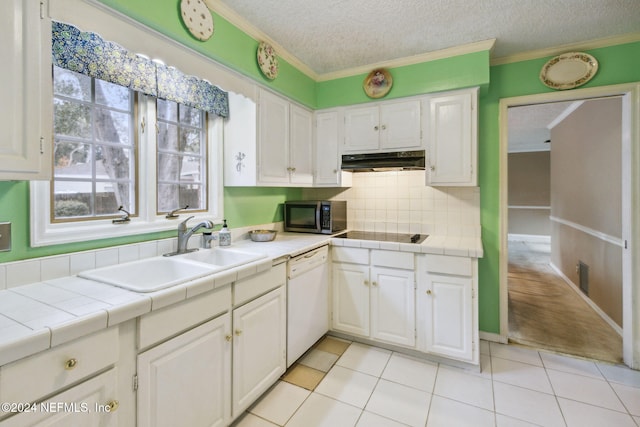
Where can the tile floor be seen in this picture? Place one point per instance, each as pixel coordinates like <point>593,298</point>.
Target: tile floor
<point>351,384</point>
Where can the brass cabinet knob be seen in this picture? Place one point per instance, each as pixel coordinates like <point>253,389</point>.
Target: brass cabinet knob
<point>238,332</point>
<point>113,405</point>
<point>366,283</point>
<point>228,338</point>
<point>70,364</point>
<point>432,168</point>
<point>428,291</point>
<point>375,128</point>
<point>384,127</point>
<point>374,283</point>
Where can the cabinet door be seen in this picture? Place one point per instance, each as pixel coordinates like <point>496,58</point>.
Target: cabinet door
<point>90,403</point>
<point>393,306</point>
<point>273,137</point>
<point>361,129</point>
<point>259,347</point>
<point>446,302</point>
<point>26,119</point>
<point>240,142</point>
<point>400,126</point>
<point>300,146</point>
<point>452,139</point>
<point>351,298</point>
<point>327,143</point>
<point>186,381</point>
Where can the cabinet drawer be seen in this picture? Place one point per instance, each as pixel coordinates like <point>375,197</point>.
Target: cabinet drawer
<point>162,324</point>
<point>350,255</point>
<point>445,264</point>
<point>30,379</point>
<point>247,289</point>
<point>393,259</point>
<point>86,404</point>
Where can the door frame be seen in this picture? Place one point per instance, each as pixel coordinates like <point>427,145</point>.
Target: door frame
<point>630,93</point>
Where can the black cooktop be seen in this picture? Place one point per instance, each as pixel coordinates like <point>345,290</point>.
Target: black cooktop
<point>383,237</point>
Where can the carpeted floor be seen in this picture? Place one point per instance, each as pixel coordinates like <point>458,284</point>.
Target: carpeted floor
<point>545,312</point>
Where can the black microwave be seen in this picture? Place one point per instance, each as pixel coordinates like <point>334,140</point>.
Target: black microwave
<point>315,216</point>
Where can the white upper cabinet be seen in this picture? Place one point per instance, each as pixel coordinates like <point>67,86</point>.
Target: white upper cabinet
<point>240,132</point>
<point>300,146</point>
<point>451,122</point>
<point>391,126</point>
<point>267,143</point>
<point>273,139</point>
<point>328,135</point>
<point>284,142</point>
<point>26,91</point>
<point>400,127</point>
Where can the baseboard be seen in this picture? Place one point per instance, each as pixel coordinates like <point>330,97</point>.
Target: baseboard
<point>490,336</point>
<point>529,238</point>
<point>588,300</point>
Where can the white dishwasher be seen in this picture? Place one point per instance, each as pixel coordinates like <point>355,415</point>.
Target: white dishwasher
<point>307,301</point>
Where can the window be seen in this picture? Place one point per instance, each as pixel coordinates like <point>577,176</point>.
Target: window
<point>94,148</point>
<point>182,162</point>
<point>128,132</point>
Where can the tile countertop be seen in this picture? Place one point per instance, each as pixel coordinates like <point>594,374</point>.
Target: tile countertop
<point>41,315</point>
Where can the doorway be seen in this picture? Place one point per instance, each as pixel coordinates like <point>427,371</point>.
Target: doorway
<point>553,151</point>
<point>630,197</point>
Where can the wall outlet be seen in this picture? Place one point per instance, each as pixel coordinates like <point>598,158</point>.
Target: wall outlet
<point>5,236</point>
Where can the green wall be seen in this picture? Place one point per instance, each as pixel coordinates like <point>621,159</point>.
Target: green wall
<point>434,76</point>
<point>247,206</point>
<point>617,64</point>
<point>228,45</point>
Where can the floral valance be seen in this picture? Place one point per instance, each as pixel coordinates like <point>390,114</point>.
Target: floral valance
<point>87,53</point>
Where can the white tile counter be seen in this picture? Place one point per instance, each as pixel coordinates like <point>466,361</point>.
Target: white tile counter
<point>49,312</point>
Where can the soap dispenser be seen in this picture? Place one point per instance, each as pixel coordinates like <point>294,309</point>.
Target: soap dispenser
<point>224,236</point>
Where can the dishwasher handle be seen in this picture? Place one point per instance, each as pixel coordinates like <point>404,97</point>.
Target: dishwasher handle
<point>302,263</point>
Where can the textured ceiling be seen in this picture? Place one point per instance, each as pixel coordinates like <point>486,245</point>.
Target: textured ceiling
<point>336,35</point>
<point>529,125</point>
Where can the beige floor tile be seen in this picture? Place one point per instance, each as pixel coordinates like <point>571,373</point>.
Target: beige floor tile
<point>319,359</point>
<point>333,345</point>
<point>303,376</point>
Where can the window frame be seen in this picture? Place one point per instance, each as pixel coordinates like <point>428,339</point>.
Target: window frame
<point>44,232</point>
<point>93,104</point>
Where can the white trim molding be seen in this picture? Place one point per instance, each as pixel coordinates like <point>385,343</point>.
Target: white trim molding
<point>617,241</point>
<point>557,50</point>
<point>630,93</point>
<point>588,300</point>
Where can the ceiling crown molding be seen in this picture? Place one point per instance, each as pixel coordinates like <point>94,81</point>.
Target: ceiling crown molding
<point>411,60</point>
<point>241,23</point>
<point>558,50</point>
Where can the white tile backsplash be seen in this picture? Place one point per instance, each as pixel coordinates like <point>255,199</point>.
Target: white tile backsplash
<point>22,273</point>
<point>400,202</point>
<point>106,257</point>
<point>54,267</point>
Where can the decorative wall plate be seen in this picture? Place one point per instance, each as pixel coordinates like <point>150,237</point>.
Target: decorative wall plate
<point>378,83</point>
<point>267,60</point>
<point>569,70</point>
<point>197,17</point>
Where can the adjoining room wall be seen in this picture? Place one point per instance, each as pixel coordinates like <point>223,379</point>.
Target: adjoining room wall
<point>529,193</point>
<point>586,200</point>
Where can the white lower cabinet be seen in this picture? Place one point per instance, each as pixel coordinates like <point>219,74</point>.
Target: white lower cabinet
<point>187,380</point>
<point>447,322</point>
<point>372,301</point>
<point>259,347</point>
<point>90,403</point>
<point>424,302</point>
<point>351,298</point>
<point>393,306</point>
